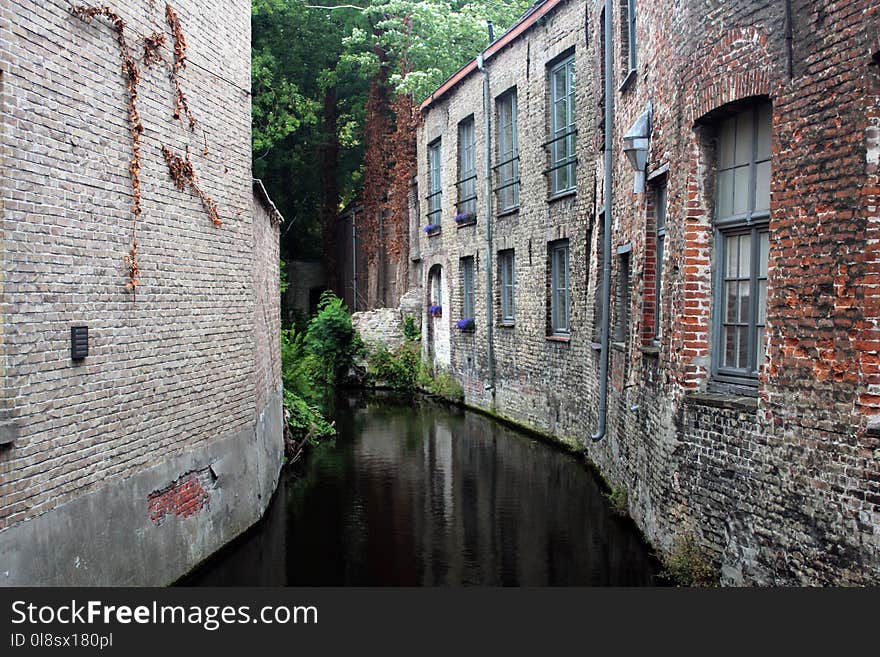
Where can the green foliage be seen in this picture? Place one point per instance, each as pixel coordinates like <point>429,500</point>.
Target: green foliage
<point>398,369</point>
<point>297,366</point>
<point>295,52</point>
<point>283,284</point>
<point>411,332</point>
<point>305,421</point>
<point>687,564</point>
<point>441,383</point>
<point>306,60</point>
<point>426,41</point>
<point>331,341</point>
<point>618,498</point>
<point>311,361</point>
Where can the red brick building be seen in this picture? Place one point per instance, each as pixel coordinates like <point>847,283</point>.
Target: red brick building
<point>743,368</point>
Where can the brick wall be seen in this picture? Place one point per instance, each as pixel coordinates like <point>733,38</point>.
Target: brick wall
<point>778,486</point>
<point>173,372</point>
<point>267,300</point>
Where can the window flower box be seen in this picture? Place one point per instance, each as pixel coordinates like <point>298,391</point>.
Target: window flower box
<point>432,229</point>
<point>465,219</point>
<point>466,325</point>
<point>435,311</point>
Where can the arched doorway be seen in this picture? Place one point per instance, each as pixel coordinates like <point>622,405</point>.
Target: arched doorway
<point>437,318</point>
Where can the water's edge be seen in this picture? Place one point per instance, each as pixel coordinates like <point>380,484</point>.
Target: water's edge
<point>512,470</point>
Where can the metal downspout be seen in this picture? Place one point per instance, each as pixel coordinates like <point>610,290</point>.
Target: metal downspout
<point>354,260</point>
<point>606,242</point>
<point>487,158</point>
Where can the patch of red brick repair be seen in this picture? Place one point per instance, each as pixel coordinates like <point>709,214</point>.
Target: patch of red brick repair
<point>185,497</point>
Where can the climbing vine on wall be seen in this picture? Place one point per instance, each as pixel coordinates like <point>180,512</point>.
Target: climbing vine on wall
<point>132,77</point>
<point>378,162</point>
<point>184,175</point>
<point>178,65</point>
<point>153,44</point>
<point>404,144</point>
<point>180,168</point>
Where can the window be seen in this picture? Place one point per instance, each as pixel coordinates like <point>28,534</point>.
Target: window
<point>467,168</point>
<point>559,288</point>
<point>743,243</point>
<point>435,185</point>
<point>467,287</point>
<point>621,299</point>
<point>628,37</point>
<point>507,279</point>
<point>660,237</point>
<point>562,128</point>
<point>436,288</point>
<point>508,153</point>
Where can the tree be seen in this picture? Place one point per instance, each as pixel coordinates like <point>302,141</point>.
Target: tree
<point>307,111</point>
<point>335,89</point>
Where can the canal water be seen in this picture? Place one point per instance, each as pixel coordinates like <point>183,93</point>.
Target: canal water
<point>420,494</point>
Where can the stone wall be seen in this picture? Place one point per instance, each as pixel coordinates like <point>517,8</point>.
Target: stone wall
<point>381,326</point>
<point>168,387</point>
<point>778,483</point>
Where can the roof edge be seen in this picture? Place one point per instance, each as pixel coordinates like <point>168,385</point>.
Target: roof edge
<point>516,30</point>
<point>261,193</point>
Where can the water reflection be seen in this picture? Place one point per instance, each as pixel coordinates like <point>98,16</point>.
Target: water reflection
<point>418,494</point>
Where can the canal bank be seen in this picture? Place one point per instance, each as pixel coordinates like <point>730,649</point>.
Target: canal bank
<point>415,493</point>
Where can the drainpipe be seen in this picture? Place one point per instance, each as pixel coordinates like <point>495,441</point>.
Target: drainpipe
<point>606,242</point>
<point>354,260</point>
<point>487,159</point>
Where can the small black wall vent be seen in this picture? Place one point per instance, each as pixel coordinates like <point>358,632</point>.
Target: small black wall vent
<point>79,342</point>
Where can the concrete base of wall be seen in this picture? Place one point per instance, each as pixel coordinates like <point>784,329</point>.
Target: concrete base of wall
<point>152,528</point>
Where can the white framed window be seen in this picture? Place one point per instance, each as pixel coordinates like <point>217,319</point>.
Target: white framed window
<point>742,240</point>
<point>507,281</point>
<point>659,254</point>
<point>563,130</point>
<point>435,183</point>
<point>467,167</point>
<point>622,297</point>
<point>467,288</point>
<point>628,36</point>
<point>560,310</point>
<point>508,153</point>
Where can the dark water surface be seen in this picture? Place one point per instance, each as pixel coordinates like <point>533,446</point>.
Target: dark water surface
<point>418,494</point>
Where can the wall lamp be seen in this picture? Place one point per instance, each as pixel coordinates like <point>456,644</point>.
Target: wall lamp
<point>635,146</point>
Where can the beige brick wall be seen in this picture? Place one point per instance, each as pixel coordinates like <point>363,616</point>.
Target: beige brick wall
<point>267,308</point>
<point>175,369</point>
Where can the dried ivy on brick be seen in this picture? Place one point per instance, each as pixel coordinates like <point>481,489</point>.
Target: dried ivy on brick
<point>133,77</point>
<point>179,65</point>
<point>181,168</point>
<point>184,175</point>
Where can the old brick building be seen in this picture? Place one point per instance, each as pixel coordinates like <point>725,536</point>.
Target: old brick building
<point>743,368</point>
<point>131,464</point>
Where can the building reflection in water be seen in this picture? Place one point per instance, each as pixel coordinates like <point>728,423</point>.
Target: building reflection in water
<point>413,493</point>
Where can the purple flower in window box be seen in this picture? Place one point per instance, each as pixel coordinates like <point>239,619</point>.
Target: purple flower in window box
<point>432,229</point>
<point>466,324</point>
<point>465,218</point>
<point>435,311</point>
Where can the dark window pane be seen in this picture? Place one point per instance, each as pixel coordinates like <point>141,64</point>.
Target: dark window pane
<point>729,346</point>
<point>744,300</point>
<point>730,315</point>
<point>745,138</point>
<point>743,347</point>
